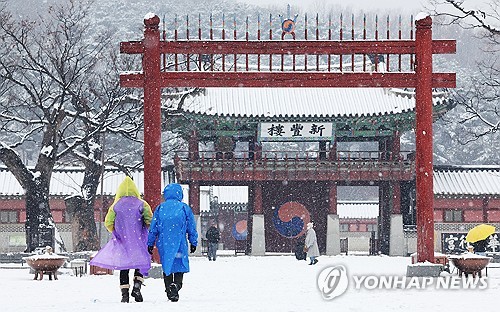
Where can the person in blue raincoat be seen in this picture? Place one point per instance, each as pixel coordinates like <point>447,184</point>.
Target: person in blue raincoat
<point>172,220</point>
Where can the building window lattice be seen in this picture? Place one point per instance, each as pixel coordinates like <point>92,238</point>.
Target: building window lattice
<point>371,227</point>
<point>8,216</point>
<point>453,216</point>
<point>344,228</point>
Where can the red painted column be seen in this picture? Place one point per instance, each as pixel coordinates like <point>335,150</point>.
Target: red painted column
<point>396,146</point>
<point>396,196</point>
<point>333,199</point>
<point>423,134</point>
<point>193,147</point>
<point>486,203</point>
<point>258,150</point>
<point>332,155</point>
<point>257,208</point>
<point>194,197</point>
<point>152,111</point>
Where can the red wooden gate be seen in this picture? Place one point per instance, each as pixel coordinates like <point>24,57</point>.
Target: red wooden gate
<point>419,76</point>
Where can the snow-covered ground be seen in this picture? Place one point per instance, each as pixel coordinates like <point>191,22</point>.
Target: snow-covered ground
<point>271,283</point>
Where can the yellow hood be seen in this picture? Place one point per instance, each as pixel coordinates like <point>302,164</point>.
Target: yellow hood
<point>127,188</point>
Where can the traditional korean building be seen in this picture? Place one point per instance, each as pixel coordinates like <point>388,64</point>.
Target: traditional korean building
<point>65,182</point>
<point>464,197</point>
<point>293,148</point>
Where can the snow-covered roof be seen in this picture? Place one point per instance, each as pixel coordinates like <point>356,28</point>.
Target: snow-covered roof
<point>448,181</point>
<point>357,210</point>
<point>231,194</point>
<point>68,182</point>
<point>326,102</point>
<point>467,180</point>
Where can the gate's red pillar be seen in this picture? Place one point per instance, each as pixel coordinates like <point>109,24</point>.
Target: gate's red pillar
<point>194,197</point>
<point>395,185</point>
<point>333,199</point>
<point>423,134</point>
<point>257,208</point>
<point>396,196</point>
<point>193,147</point>
<point>152,111</point>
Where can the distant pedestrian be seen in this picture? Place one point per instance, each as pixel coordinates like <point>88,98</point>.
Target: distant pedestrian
<point>300,254</point>
<point>480,247</point>
<point>311,244</point>
<point>172,220</point>
<point>213,237</point>
<point>127,219</point>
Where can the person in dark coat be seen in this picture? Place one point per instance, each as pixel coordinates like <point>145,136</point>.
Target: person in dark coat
<point>480,247</point>
<point>213,237</point>
<point>300,254</point>
<point>172,220</point>
<point>127,219</point>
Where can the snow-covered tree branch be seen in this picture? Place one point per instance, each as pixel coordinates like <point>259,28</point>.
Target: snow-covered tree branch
<point>479,95</point>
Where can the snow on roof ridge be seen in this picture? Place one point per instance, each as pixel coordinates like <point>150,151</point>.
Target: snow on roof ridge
<point>467,168</point>
<point>270,102</point>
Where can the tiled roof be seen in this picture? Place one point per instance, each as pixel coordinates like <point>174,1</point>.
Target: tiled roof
<point>357,210</point>
<point>325,102</point>
<point>67,182</point>
<point>231,194</point>
<point>466,180</point>
<point>448,181</point>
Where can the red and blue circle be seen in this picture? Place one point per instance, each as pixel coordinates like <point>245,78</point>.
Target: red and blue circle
<point>240,230</point>
<point>288,26</point>
<point>290,219</point>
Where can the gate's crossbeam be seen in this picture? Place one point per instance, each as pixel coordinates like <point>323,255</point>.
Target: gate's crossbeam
<point>288,79</point>
<point>295,47</point>
<point>281,78</point>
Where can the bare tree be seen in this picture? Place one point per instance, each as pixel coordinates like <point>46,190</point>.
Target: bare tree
<point>480,96</point>
<point>48,72</point>
<point>104,110</point>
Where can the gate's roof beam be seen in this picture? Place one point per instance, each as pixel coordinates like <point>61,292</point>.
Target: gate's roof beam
<point>288,79</point>
<point>295,47</point>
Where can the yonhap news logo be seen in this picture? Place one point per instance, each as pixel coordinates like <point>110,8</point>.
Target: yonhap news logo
<point>334,281</point>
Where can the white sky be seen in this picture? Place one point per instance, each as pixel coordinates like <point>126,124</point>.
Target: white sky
<point>411,6</point>
<point>365,5</point>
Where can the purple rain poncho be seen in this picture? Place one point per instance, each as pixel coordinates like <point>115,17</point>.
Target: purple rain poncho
<point>127,219</point>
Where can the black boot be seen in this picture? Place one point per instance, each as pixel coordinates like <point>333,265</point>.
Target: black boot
<point>136,290</point>
<point>176,286</point>
<point>174,292</point>
<point>125,296</point>
<point>167,280</point>
<point>178,277</point>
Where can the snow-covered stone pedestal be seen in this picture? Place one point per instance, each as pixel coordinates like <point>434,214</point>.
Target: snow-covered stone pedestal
<point>258,236</point>
<point>155,271</point>
<point>333,235</point>
<point>425,269</point>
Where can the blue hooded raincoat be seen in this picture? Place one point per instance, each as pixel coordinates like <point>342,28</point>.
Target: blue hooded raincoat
<point>172,219</point>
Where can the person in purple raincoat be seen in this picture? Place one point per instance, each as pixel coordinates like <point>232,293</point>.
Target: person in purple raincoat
<point>127,219</point>
<point>172,220</point>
